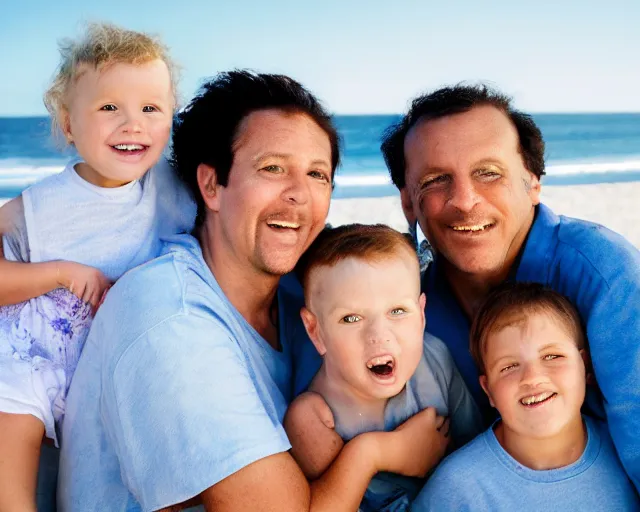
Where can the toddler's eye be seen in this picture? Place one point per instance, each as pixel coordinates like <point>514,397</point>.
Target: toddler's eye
<point>109,108</point>
<point>350,319</point>
<point>149,108</point>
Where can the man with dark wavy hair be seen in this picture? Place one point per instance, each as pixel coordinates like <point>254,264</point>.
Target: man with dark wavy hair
<point>468,166</point>
<point>193,359</point>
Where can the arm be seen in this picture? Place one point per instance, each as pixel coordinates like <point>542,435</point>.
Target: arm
<point>278,484</point>
<point>310,427</point>
<point>23,281</point>
<point>613,331</point>
<point>227,444</point>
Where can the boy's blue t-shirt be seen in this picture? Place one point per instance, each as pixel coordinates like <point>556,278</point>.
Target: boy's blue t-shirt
<point>483,476</point>
<point>599,271</point>
<point>174,391</point>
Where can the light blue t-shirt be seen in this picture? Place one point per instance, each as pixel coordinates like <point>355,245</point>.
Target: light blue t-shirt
<point>483,476</point>
<point>174,391</point>
<point>435,383</point>
<point>64,217</point>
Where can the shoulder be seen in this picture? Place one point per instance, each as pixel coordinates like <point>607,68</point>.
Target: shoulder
<point>437,355</point>
<point>173,289</point>
<point>596,250</point>
<point>51,182</point>
<point>309,407</point>
<point>453,480</point>
<point>465,464</point>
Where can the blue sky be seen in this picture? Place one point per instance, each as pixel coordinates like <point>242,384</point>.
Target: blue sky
<point>359,57</point>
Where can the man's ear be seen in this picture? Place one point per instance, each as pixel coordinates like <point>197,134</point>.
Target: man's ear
<point>407,205</point>
<point>208,184</point>
<point>485,388</point>
<point>534,189</point>
<point>310,322</point>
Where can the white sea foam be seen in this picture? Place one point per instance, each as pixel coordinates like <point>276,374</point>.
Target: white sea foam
<point>23,176</point>
<point>344,179</point>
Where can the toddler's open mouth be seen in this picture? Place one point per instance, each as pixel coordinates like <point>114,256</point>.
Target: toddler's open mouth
<point>382,366</point>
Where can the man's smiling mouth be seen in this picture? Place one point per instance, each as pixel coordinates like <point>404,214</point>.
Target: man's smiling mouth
<point>282,224</point>
<point>472,228</point>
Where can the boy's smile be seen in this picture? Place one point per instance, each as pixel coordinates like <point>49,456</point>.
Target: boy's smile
<point>535,376</point>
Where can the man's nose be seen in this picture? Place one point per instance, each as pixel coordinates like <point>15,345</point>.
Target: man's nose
<point>463,195</point>
<point>297,189</point>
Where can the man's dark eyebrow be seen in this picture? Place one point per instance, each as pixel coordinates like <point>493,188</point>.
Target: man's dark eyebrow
<point>284,156</point>
<point>489,161</point>
<point>264,156</point>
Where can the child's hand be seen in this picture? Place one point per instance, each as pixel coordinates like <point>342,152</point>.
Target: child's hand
<point>418,444</point>
<point>86,283</point>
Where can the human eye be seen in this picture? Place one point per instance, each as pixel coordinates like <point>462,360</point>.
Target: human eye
<point>350,319</point>
<point>109,107</point>
<point>488,174</point>
<point>551,357</point>
<point>149,108</point>
<point>508,367</point>
<point>434,180</point>
<point>320,175</point>
<point>275,169</point>
<point>398,311</point>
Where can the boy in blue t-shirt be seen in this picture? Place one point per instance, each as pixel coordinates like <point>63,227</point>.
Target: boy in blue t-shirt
<point>364,314</point>
<point>542,454</point>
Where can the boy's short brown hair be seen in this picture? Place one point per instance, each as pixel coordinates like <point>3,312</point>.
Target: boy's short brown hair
<point>374,242</point>
<point>512,303</point>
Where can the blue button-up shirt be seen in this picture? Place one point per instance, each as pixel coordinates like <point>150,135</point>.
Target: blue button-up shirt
<point>599,271</point>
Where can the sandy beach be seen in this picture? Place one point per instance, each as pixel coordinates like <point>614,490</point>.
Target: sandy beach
<point>614,205</point>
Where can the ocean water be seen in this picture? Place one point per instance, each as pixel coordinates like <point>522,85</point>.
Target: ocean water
<point>581,148</point>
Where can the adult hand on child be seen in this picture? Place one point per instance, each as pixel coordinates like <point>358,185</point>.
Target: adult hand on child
<point>87,283</point>
<point>418,444</point>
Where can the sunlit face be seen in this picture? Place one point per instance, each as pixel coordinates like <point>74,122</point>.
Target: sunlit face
<point>367,320</point>
<point>277,197</point>
<point>119,119</point>
<point>535,376</point>
<point>469,188</point>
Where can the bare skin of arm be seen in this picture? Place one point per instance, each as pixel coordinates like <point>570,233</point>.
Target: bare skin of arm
<point>276,483</point>
<point>19,456</point>
<point>24,281</point>
<point>311,431</point>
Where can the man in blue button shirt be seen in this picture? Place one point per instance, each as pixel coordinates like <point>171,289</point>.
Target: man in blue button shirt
<point>191,361</point>
<point>468,167</point>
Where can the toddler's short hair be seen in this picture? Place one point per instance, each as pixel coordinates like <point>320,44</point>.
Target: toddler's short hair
<point>102,45</point>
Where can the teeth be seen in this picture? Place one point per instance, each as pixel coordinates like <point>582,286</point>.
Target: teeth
<point>534,399</point>
<point>379,361</point>
<point>284,224</point>
<point>480,227</point>
<point>128,147</point>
